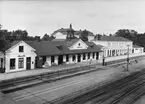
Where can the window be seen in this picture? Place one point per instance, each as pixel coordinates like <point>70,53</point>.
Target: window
<point>1,62</point>
<point>93,54</point>
<point>74,58</point>
<point>109,44</point>
<point>97,55</point>
<point>88,55</point>
<point>12,63</point>
<point>43,59</point>
<point>21,63</point>
<point>21,48</point>
<point>67,58</point>
<point>84,56</point>
<point>52,59</point>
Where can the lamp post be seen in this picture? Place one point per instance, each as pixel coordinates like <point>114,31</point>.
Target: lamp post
<point>103,59</point>
<point>127,67</point>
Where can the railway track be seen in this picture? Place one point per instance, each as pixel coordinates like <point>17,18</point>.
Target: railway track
<point>120,95</point>
<point>118,89</point>
<point>14,85</point>
<point>11,85</point>
<point>20,83</point>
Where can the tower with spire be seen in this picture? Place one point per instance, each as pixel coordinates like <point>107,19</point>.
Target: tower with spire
<point>70,32</point>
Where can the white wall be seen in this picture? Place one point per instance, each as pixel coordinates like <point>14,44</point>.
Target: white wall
<point>103,43</point>
<point>14,53</point>
<point>2,56</point>
<point>60,36</point>
<point>77,46</point>
<point>138,50</point>
<point>90,38</point>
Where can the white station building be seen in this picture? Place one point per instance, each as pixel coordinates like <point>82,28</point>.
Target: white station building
<point>29,55</point>
<point>116,46</point>
<point>66,48</point>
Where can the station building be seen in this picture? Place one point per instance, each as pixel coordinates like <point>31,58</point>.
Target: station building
<point>116,46</point>
<point>66,48</point>
<point>26,55</point>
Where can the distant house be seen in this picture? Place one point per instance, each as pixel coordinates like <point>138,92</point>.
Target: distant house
<point>65,33</point>
<point>137,49</point>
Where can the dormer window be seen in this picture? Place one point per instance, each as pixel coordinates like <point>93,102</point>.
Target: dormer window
<point>21,48</point>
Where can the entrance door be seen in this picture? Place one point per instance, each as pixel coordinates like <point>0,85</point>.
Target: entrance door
<point>60,59</point>
<point>97,56</point>
<point>79,58</point>
<point>28,63</point>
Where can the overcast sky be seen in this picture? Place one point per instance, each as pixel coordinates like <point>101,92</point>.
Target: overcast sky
<point>99,16</point>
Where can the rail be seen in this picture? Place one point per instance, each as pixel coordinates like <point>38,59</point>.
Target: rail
<point>50,76</point>
<point>79,97</point>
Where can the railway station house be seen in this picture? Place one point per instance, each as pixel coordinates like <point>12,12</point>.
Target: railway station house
<point>25,55</point>
<point>29,55</point>
<point>66,48</point>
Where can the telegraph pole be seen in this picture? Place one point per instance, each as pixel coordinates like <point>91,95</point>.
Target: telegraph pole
<point>103,61</point>
<point>127,68</point>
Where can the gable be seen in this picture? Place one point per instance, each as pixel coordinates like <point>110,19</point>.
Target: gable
<point>78,45</point>
<point>26,48</point>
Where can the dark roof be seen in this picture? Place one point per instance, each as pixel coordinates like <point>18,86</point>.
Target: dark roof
<point>112,38</point>
<point>81,31</point>
<point>59,47</point>
<point>76,32</point>
<point>62,30</point>
<point>44,48</point>
<point>136,46</point>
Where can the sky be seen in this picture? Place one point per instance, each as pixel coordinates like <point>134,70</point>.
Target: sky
<point>99,16</point>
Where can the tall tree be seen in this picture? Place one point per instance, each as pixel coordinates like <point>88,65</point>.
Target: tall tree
<point>46,37</point>
<point>129,34</point>
<point>84,35</point>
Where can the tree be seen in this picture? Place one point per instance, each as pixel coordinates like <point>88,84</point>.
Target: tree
<point>137,38</point>
<point>84,35</point>
<point>46,37</point>
<point>4,44</point>
<point>129,34</point>
<point>37,38</point>
<point>126,33</point>
<point>51,38</point>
